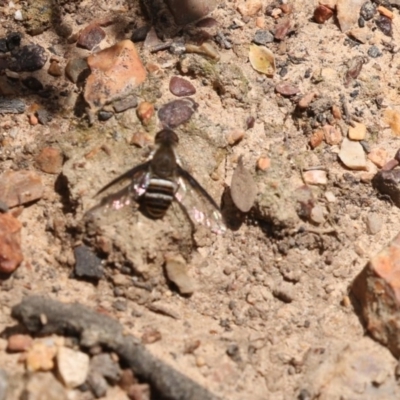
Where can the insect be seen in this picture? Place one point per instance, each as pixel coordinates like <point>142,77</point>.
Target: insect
<point>155,184</point>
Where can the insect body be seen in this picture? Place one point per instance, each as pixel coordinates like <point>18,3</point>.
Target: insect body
<point>155,184</point>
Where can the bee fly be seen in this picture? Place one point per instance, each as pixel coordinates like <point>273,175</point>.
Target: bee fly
<point>155,184</point>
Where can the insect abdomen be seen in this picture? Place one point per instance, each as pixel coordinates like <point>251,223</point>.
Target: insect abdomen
<point>158,197</point>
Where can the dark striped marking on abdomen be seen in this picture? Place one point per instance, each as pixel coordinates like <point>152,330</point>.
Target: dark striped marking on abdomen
<point>158,197</point>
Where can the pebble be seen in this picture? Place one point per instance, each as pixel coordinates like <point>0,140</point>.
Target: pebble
<point>125,104</point>
<point>317,215</point>
<point>3,384</point>
<point>384,11</point>
<point>263,163</point>
<point>388,182</point>
<point>3,46</point>
<point>322,14</point>
<point>330,197</point>
<point>139,34</point>
<point>374,223</point>
<point>19,342</point>
<point>43,116</point>
<point>284,291</point>
<point>50,160</point>
<point>145,112</point>
<point>243,188</point>
<point>368,10</point>
<point>32,83</point>
<point>316,138</point>
<point>87,264</point>
<point>33,119</point>
<point>315,177</point>
<point>177,112</point>
<point>104,365</point>
<point>177,272</point>
<point>378,156</point>
<point>352,155</point>
<point>10,243</point>
<point>362,35</point>
<point>54,69</point>
<point>73,366</point>
<point>44,386</point>
<point>347,12</point>
<point>336,112</point>
<point>385,25</point>
<point>40,356</point>
<point>305,101</point>
<point>11,106</point>
<point>151,336</point>
<point>287,89</point>
<point>115,73</point>
<point>181,87</point>
<point>98,384</point>
<point>190,10</point>
<point>392,118</point>
<point>377,288</point>
<point>75,68</point>
<point>249,8</point>
<point>28,58</point>
<point>104,115</point>
<point>374,52</point>
<point>235,136</point>
<point>263,37</point>
<point>283,27</point>
<point>91,36</point>
<point>358,131</point>
<point>18,15</point>
<point>332,135</point>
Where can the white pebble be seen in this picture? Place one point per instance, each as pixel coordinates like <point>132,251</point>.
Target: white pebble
<point>18,15</point>
<point>73,366</point>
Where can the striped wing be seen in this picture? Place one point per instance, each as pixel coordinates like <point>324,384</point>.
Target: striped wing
<point>197,203</point>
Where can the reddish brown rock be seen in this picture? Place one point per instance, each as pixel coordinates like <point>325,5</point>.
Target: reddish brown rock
<point>377,288</point>
<point>20,187</point>
<point>181,87</point>
<point>332,135</point>
<point>322,14</point>
<point>91,36</point>
<point>316,138</point>
<point>10,243</point>
<point>287,89</point>
<point>50,160</point>
<point>378,156</point>
<point>18,342</point>
<point>188,11</point>
<point>54,69</point>
<point>145,112</point>
<point>115,73</point>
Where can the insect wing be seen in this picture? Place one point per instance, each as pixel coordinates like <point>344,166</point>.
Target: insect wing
<point>198,204</point>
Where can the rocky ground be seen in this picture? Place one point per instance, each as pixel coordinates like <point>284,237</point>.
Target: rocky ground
<point>287,114</point>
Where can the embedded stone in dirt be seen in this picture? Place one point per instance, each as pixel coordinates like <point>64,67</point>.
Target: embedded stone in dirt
<point>348,12</point>
<point>177,272</point>
<point>75,68</point>
<point>378,156</point>
<point>19,342</point>
<point>243,188</point>
<point>20,187</point>
<point>315,177</point>
<point>10,243</point>
<point>374,223</point>
<point>88,265</point>
<point>332,134</point>
<point>40,356</point>
<point>44,385</point>
<point>358,131</point>
<point>145,112</point>
<point>73,366</point>
<point>181,87</point>
<point>28,58</point>
<point>115,73</point>
<point>352,155</point>
<point>250,7</point>
<point>388,182</point>
<point>377,288</point>
<point>91,36</point>
<point>50,160</point>
<point>177,112</point>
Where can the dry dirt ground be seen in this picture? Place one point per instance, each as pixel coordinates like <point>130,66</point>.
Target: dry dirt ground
<point>271,311</point>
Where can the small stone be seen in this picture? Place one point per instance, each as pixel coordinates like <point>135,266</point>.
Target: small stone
<point>145,112</point>
<point>387,182</point>
<point>19,342</point>
<point>32,83</point>
<point>374,52</point>
<point>336,112</point>
<point>141,139</point>
<point>3,46</point>
<point>263,163</point>
<point>18,15</point>
<point>40,356</point>
<point>43,116</point>
<point>177,112</point>
<point>250,7</point>
<point>374,223</point>
<point>385,25</point>
<point>284,291</point>
<point>305,101</point>
<point>139,34</point>
<point>44,386</point>
<point>235,136</point>
<point>347,12</point>
<point>352,155</point>
<point>87,264</point>
<point>33,119</point>
<point>332,134</point>
<point>10,243</point>
<point>104,365</point>
<point>200,361</point>
<point>73,366</point>
<point>368,10</point>
<point>98,384</point>
<point>392,118</point>
<point>362,35</point>
<point>50,160</point>
<point>177,272</point>
<point>91,36</point>
<point>316,138</point>
<point>105,115</point>
<point>330,197</point>
<point>287,89</point>
<point>54,69</point>
<point>20,187</point>
<point>322,14</point>
<point>358,131</point>
<point>115,73</point>
<point>151,336</point>
<point>181,87</point>
<point>384,11</point>
<point>317,215</point>
<point>76,68</point>
<point>378,156</point>
<point>125,104</point>
<point>315,177</point>
<point>243,188</point>
<point>28,58</point>
<point>263,37</point>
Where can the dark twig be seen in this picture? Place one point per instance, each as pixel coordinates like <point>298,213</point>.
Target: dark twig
<point>41,315</point>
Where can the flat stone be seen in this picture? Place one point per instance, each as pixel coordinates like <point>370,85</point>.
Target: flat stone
<point>360,34</point>
<point>73,366</point>
<point>54,69</point>
<point>177,112</point>
<point>50,160</point>
<point>88,265</point>
<point>316,138</point>
<point>91,36</point>
<point>76,68</point>
<point>378,156</point>
<point>352,155</point>
<point>28,58</point>
<point>348,12</point>
<point>10,243</point>
<point>243,188</point>
<point>181,87</point>
<point>315,177</point>
<point>19,342</point>
<point>20,187</point>
<point>115,73</point>
<point>358,131</point>
<point>374,223</point>
<point>377,288</point>
<point>250,7</point>
<point>332,134</point>
<point>177,272</point>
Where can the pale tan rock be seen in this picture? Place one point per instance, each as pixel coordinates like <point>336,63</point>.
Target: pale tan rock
<point>358,131</point>
<point>305,101</point>
<point>263,163</point>
<point>378,156</point>
<point>73,366</point>
<point>250,7</point>
<point>178,273</point>
<point>392,118</point>
<point>235,136</point>
<point>243,188</point>
<point>315,177</point>
<point>50,160</point>
<point>115,73</point>
<point>316,138</point>
<point>352,155</point>
<point>44,386</point>
<point>361,34</point>
<point>332,134</point>
<point>348,12</point>
<point>384,11</point>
